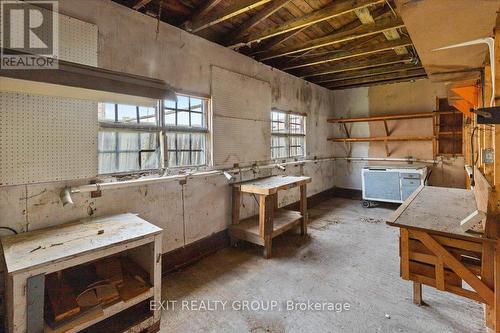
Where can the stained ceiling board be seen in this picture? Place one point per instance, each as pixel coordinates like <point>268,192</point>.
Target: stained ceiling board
<point>434,24</point>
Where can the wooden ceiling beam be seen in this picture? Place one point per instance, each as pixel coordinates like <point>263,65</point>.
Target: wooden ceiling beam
<point>140,3</point>
<point>201,22</point>
<point>378,79</point>
<point>205,8</point>
<point>356,52</point>
<point>263,14</point>
<point>361,31</point>
<point>395,68</point>
<point>326,74</point>
<point>336,9</point>
<point>272,42</point>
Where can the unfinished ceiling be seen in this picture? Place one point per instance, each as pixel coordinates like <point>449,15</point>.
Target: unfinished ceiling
<point>334,43</point>
<point>450,22</point>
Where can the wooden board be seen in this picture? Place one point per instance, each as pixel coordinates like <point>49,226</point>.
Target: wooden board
<point>271,185</point>
<point>283,220</point>
<point>437,210</point>
<point>36,248</point>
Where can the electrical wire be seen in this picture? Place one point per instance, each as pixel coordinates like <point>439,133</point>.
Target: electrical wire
<point>10,229</point>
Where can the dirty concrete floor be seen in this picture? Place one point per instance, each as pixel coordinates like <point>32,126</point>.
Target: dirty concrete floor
<point>350,257</point>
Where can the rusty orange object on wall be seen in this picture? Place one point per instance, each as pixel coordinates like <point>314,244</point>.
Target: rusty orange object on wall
<point>469,94</point>
<point>463,106</point>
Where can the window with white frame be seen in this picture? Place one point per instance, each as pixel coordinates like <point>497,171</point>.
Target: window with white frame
<point>186,123</point>
<point>288,135</point>
<point>129,138</point>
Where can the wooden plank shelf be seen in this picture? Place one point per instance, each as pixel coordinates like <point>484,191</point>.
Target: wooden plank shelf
<point>387,138</point>
<point>283,220</point>
<point>111,310</point>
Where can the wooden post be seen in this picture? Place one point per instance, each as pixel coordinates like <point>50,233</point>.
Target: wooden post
<point>236,203</point>
<point>417,294</point>
<point>266,212</point>
<point>303,209</point>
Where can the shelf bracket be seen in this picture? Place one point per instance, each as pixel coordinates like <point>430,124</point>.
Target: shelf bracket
<point>387,134</point>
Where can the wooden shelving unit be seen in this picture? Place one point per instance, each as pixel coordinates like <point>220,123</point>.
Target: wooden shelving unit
<point>388,137</point>
<point>271,221</point>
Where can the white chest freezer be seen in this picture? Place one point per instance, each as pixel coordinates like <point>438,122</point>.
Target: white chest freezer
<point>391,183</point>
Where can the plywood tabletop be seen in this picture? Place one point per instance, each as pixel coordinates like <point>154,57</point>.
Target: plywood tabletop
<point>39,247</point>
<point>272,184</point>
<point>437,210</point>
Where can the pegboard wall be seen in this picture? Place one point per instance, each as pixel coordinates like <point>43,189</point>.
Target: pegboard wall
<point>242,118</point>
<point>46,139</point>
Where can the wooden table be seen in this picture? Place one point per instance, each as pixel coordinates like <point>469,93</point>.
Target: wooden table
<point>34,254</point>
<point>271,221</point>
<point>435,251</point>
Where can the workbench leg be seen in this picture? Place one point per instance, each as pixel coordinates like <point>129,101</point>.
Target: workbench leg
<point>303,209</point>
<point>236,203</point>
<point>417,294</point>
<point>268,247</point>
<point>266,227</point>
<point>488,277</point>
<point>496,314</point>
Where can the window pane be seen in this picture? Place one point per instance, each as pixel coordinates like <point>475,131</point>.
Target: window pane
<point>150,160</point>
<point>171,141</point>
<point>172,159</point>
<point>128,162</point>
<point>128,141</point>
<point>182,102</point>
<point>196,120</point>
<point>182,118</point>
<point>296,124</point>
<point>198,141</point>
<point>197,104</point>
<point>279,148</point>
<point>170,117</point>
<point>107,141</point>
<point>106,112</point>
<point>170,104</point>
<point>198,158</point>
<point>107,163</point>
<point>184,158</point>
<point>127,113</point>
<point>278,122</point>
<point>149,141</point>
<point>147,115</point>
<point>296,146</point>
<point>183,140</point>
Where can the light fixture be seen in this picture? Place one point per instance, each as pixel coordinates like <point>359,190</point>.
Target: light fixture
<point>65,196</point>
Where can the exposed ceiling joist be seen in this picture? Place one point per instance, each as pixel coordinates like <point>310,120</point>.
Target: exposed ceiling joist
<point>274,41</point>
<point>140,3</point>
<point>263,14</point>
<point>379,79</point>
<point>338,8</point>
<point>359,32</point>
<point>204,21</point>
<point>325,75</point>
<point>396,68</point>
<point>205,9</point>
<point>341,55</point>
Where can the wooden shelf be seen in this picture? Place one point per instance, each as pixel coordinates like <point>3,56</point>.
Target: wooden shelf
<point>382,118</point>
<point>248,229</point>
<point>384,138</point>
<point>80,323</point>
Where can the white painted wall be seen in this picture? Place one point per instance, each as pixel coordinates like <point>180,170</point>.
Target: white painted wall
<point>127,42</point>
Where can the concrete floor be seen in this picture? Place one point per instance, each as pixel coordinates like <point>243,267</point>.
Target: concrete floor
<point>351,257</point>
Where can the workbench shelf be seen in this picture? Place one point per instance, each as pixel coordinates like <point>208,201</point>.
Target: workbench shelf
<point>271,221</point>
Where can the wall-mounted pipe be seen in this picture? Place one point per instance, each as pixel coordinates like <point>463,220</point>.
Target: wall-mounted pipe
<point>390,159</point>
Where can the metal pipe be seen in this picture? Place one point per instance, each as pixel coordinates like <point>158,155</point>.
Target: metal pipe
<point>389,159</point>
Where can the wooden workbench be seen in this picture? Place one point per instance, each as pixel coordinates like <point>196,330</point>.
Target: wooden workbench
<point>271,221</point>
<point>40,252</point>
<point>435,251</point>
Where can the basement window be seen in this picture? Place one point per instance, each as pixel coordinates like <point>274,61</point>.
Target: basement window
<point>129,138</point>
<point>288,135</point>
<point>186,131</point>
